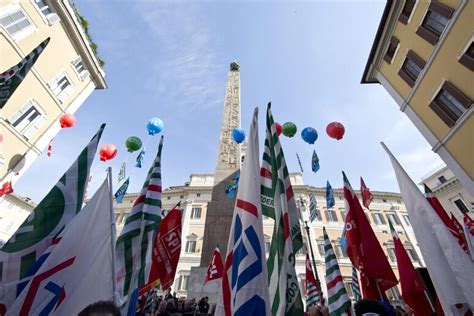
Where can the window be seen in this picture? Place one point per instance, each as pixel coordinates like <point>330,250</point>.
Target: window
<point>442,179</point>
<point>191,246</point>
<point>183,282</point>
<point>411,68</point>
<point>343,214</point>
<point>412,254</point>
<point>80,69</point>
<point>393,293</point>
<point>27,120</point>
<point>338,250</point>
<point>406,12</point>
<point>198,194</point>
<point>15,22</point>
<point>393,218</point>
<point>391,254</point>
<point>467,59</point>
<point>450,103</point>
<point>168,197</point>
<point>378,219</point>
<point>461,206</point>
<point>406,219</point>
<point>436,19</point>
<point>44,8</point>
<point>392,47</point>
<point>196,213</point>
<point>317,215</point>
<point>348,286</point>
<point>61,87</point>
<point>384,200</point>
<point>321,250</point>
<point>331,215</point>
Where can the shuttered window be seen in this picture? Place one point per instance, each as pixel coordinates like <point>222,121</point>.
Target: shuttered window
<point>435,21</point>
<point>450,103</point>
<point>15,22</point>
<point>411,68</point>
<point>467,59</point>
<point>407,10</point>
<point>392,47</point>
<point>27,120</point>
<point>61,87</point>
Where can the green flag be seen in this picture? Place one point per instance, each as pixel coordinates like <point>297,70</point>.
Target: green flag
<point>279,202</point>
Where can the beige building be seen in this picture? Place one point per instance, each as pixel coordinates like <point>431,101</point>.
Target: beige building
<point>14,209</point>
<point>423,55</point>
<point>64,75</point>
<point>195,195</point>
<point>450,192</point>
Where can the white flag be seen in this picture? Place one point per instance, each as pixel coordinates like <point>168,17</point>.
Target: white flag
<point>245,279</point>
<point>78,271</point>
<point>450,269</point>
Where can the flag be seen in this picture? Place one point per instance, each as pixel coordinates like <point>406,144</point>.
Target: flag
<point>121,191</point>
<point>312,293</point>
<point>468,228</point>
<point>338,301</point>
<point>469,222</point>
<point>313,212</point>
<point>364,249</point>
<point>6,188</point>
<point>232,186</point>
<point>245,279</point>
<point>315,162</point>
<point>278,198</point>
<point>343,241</point>
<point>122,172</point>
<point>299,162</point>
<point>366,195</point>
<point>166,250</point>
<point>329,196</point>
<point>413,289</point>
<point>78,271</point>
<point>50,148</point>
<point>20,256</point>
<point>216,268</point>
<point>11,78</point>
<point>140,158</point>
<point>451,271</point>
<point>451,224</point>
<point>135,243</point>
<point>355,284</point>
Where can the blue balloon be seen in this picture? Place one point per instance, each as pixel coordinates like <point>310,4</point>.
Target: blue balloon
<point>309,135</point>
<point>238,135</point>
<point>154,126</point>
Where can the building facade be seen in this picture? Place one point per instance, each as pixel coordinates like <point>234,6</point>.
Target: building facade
<point>197,193</point>
<point>62,78</point>
<point>14,209</point>
<point>452,195</point>
<point>423,55</point>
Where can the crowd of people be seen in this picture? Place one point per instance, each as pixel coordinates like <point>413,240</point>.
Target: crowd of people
<point>159,305</point>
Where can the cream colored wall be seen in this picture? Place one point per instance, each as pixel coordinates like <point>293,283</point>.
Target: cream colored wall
<point>57,57</point>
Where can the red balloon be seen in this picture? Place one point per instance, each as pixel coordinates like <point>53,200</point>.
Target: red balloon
<point>107,152</point>
<point>278,128</point>
<point>335,130</point>
<point>67,120</point>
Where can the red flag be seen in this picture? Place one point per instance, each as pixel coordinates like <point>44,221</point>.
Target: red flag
<point>413,289</point>
<point>50,148</point>
<point>364,249</point>
<point>6,188</point>
<point>166,251</point>
<point>469,224</point>
<point>366,195</point>
<point>451,224</point>
<point>216,268</point>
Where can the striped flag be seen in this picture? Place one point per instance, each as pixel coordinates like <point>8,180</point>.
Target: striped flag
<point>135,243</point>
<point>355,284</point>
<point>245,279</point>
<point>30,245</point>
<point>312,293</point>
<point>278,201</point>
<point>313,212</point>
<point>329,196</point>
<point>122,172</point>
<point>338,301</point>
<point>12,78</point>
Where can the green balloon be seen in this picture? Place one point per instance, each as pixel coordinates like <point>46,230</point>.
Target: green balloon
<point>133,143</point>
<point>289,129</point>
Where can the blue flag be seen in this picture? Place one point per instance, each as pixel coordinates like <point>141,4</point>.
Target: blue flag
<point>232,186</point>
<point>343,241</point>
<point>329,196</point>
<point>140,158</point>
<point>315,162</point>
<point>121,191</point>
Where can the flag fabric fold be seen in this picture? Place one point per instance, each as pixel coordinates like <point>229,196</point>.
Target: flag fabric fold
<point>245,279</point>
<point>134,246</point>
<point>364,249</point>
<point>278,197</point>
<point>355,284</point>
<point>451,271</point>
<point>121,191</point>
<point>338,300</point>
<point>366,195</point>
<point>313,213</point>
<point>215,270</point>
<point>330,202</point>
<point>78,271</point>
<point>140,157</point>
<point>312,293</point>
<point>315,162</point>
<point>30,245</point>
<point>122,172</point>
<point>12,78</point>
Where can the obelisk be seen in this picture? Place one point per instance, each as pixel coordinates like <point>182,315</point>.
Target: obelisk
<point>220,208</point>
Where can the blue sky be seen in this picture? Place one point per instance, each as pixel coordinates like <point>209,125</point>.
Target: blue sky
<point>170,60</point>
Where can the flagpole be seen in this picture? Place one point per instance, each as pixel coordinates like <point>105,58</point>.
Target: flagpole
<point>113,235</point>
<point>429,301</point>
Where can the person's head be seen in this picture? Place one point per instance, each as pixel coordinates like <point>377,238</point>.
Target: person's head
<point>100,308</point>
<point>367,306</point>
